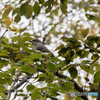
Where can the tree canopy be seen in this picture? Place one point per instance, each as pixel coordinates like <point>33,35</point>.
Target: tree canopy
<point>70,29</point>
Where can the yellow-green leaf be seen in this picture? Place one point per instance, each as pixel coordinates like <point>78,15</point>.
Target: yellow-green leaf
<point>29,11</point>
<point>63,8</point>
<point>8,21</point>
<point>97,77</point>
<point>85,32</point>
<point>52,66</point>
<point>6,12</point>
<point>30,87</point>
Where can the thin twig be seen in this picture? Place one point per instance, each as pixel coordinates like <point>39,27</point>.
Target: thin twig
<point>17,86</point>
<point>77,87</point>
<point>15,96</point>
<point>3,34</point>
<point>89,67</point>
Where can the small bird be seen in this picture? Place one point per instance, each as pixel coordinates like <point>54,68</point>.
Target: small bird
<point>40,47</point>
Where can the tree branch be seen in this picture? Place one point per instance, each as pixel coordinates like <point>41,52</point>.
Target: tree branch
<point>3,34</point>
<point>77,87</point>
<point>17,86</point>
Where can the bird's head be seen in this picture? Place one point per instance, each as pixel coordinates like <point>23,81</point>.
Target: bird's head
<point>35,41</point>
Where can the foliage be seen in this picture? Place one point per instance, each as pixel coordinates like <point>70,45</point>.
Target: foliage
<point>73,25</point>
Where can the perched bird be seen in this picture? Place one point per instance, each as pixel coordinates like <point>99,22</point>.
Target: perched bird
<point>40,47</point>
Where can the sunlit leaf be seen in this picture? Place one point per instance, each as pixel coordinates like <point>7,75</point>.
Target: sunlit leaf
<point>28,69</point>
<point>36,94</point>
<point>97,77</point>
<point>35,56</point>
<point>9,22</point>
<point>20,63</point>
<point>30,87</point>
<point>6,12</point>
<point>52,66</point>
<point>67,86</point>
<point>84,67</point>
<point>85,32</point>
<point>29,11</point>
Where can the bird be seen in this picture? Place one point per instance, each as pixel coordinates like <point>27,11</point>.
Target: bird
<point>40,47</point>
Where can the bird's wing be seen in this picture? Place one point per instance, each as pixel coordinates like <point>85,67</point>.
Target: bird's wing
<point>43,48</point>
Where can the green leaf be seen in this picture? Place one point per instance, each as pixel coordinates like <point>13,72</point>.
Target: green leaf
<point>29,11</point>
<point>94,87</point>
<point>77,44</point>
<point>26,68</point>
<point>49,5</point>
<point>26,38</point>
<point>78,98</point>
<point>63,8</point>
<point>53,93</point>
<point>52,66</point>
<point>3,62</point>
<point>73,72</point>
<point>36,94</point>
<point>4,55</point>
<point>97,19</point>
<point>84,67</point>
<point>2,95</point>
<point>43,77</point>
<point>90,17</point>
<point>17,18</point>
<point>30,87</point>
<point>85,32</point>
<point>48,9</point>
<point>23,8</point>
<point>91,38</point>
<point>6,12</point>
<point>35,56</point>
<point>36,8</point>
<point>68,86</point>
<point>86,61</point>
<point>16,11</point>
<point>12,70</point>
<point>26,10</point>
<point>94,56</point>
<point>20,63</point>
<point>97,77</point>
<point>59,47</point>
<point>3,81</point>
